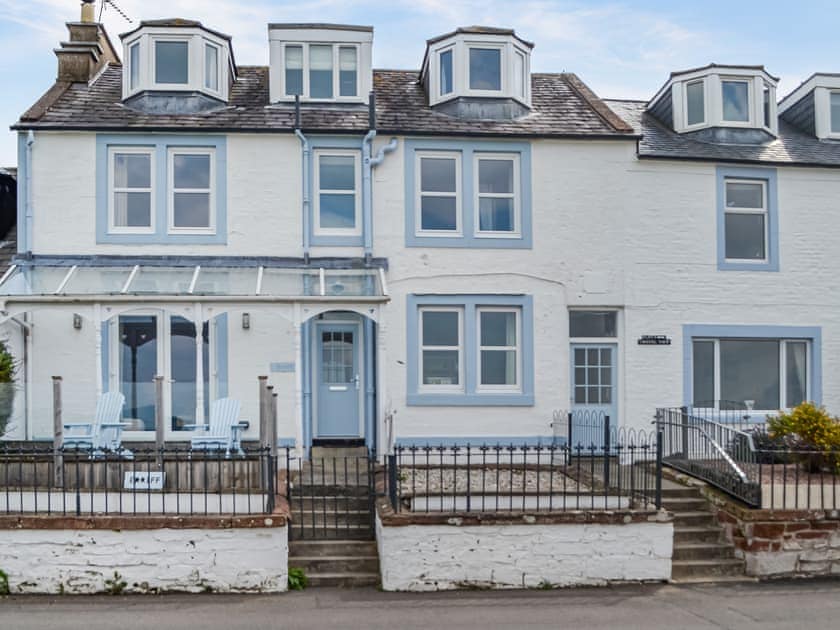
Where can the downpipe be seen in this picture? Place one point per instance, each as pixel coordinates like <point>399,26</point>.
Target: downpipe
<point>304,144</point>
<point>368,164</point>
<point>30,141</point>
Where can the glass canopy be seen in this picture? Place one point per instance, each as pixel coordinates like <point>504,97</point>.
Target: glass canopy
<point>151,280</point>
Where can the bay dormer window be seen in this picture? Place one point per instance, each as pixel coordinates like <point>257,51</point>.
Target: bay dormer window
<point>834,102</point>
<point>170,59</point>
<point>320,62</point>
<point>722,103</point>
<point>478,62</point>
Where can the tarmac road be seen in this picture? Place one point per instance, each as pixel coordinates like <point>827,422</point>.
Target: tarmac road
<point>778,605</point>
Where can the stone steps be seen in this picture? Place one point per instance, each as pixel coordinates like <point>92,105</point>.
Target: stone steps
<point>332,517</point>
<point>706,568</point>
<point>696,534</point>
<point>694,519</point>
<point>703,550</point>
<point>339,563</point>
<point>315,503</point>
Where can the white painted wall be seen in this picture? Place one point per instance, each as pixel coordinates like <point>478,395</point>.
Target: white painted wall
<point>446,557</point>
<point>609,231</point>
<point>195,560</point>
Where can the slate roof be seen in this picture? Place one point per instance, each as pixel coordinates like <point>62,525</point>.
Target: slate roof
<point>562,107</point>
<point>791,147</point>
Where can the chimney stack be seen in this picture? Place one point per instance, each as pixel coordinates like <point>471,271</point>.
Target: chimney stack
<point>88,50</point>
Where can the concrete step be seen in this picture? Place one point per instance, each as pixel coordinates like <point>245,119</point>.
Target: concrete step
<point>343,580</point>
<point>312,548</point>
<point>696,534</point>
<point>346,531</point>
<point>683,491</point>
<point>320,488</point>
<point>703,551</point>
<point>335,564</point>
<point>716,579</point>
<point>706,568</point>
<point>335,452</point>
<point>684,504</point>
<point>695,518</point>
<point>310,503</point>
<point>337,518</point>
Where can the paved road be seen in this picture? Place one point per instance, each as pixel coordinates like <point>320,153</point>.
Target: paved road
<point>790,605</point>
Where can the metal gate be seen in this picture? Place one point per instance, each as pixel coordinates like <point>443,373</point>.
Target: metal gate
<point>332,497</point>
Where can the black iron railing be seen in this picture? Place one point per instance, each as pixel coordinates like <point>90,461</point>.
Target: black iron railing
<point>497,478</point>
<point>37,479</point>
<point>745,462</point>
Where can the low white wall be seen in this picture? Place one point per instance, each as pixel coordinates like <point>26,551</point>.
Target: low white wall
<point>445,557</point>
<point>147,560</point>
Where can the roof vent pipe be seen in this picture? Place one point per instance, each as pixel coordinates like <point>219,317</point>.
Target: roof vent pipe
<point>88,7</point>
<point>372,111</point>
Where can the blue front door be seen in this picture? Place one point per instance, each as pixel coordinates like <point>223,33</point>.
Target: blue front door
<point>594,392</point>
<point>338,381</point>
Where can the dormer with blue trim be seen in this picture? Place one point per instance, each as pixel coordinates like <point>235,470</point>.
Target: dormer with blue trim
<point>814,106</point>
<point>176,66</point>
<point>720,104</point>
<point>478,72</point>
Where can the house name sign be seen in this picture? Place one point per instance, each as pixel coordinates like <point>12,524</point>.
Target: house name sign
<point>654,340</point>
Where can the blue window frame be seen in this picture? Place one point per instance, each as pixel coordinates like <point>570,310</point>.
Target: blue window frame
<point>747,219</point>
<point>770,365</point>
<point>335,190</point>
<point>470,350</point>
<point>467,194</point>
<point>145,192</point>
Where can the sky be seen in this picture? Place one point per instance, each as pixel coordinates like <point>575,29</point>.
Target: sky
<point>621,49</point>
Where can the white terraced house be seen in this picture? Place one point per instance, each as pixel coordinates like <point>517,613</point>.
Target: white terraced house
<point>433,256</point>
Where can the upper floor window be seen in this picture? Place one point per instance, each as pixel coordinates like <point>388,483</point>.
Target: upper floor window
<point>735,96</point>
<point>747,219</point>
<point>468,195</point>
<point>211,67</point>
<point>161,189</point>
<point>835,112</point>
<point>191,190</point>
<point>485,69</point>
<point>131,197</point>
<point>321,71</point>
<point>337,197</point>
<point>134,65</point>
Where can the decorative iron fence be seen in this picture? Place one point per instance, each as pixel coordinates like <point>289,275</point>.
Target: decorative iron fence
<point>587,428</point>
<point>541,478</point>
<point>745,464</point>
<point>732,413</point>
<point>166,481</point>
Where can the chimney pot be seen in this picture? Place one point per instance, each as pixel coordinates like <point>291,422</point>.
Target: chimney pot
<point>88,7</point>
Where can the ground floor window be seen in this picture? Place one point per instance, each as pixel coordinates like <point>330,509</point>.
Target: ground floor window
<point>150,344</point>
<point>763,374</point>
<point>470,350</point>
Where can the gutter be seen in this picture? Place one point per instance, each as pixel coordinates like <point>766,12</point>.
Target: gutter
<point>307,202</point>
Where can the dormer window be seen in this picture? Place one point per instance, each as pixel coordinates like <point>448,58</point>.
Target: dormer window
<point>166,58</point>
<point>478,62</point>
<point>717,100</point>
<point>735,95</point>
<point>485,69</point>
<point>320,62</point>
<point>814,107</point>
<point>172,62</point>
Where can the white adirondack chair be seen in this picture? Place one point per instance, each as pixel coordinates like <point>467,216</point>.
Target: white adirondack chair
<point>224,431</point>
<point>105,432</point>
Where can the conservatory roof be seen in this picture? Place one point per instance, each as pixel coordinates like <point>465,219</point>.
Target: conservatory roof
<point>195,283</point>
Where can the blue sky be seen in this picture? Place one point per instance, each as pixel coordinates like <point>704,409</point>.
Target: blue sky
<point>621,49</point>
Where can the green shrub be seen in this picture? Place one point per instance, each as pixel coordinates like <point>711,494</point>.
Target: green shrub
<point>809,427</point>
<point>4,583</point>
<point>8,370</point>
<point>297,579</point>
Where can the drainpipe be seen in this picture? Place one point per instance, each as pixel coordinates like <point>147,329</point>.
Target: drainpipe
<point>30,140</point>
<point>368,164</point>
<point>304,144</point>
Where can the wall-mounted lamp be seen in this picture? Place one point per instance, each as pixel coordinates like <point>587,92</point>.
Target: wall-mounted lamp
<point>77,321</point>
<point>246,321</point>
